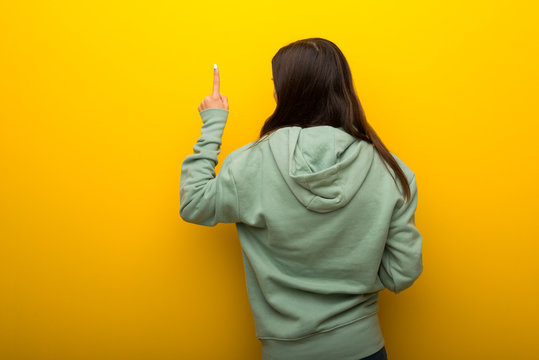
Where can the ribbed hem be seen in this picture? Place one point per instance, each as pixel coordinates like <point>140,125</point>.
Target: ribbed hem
<point>354,341</point>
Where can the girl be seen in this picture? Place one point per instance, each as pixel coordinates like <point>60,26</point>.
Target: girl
<point>323,222</point>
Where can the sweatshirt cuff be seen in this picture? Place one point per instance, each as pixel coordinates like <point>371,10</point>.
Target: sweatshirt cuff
<point>214,114</point>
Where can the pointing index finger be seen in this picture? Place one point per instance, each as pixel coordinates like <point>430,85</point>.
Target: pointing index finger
<point>216,80</point>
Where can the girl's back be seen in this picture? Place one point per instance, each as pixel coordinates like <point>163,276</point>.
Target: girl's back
<point>324,222</point>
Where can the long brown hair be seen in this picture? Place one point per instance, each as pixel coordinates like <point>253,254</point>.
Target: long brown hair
<point>314,87</point>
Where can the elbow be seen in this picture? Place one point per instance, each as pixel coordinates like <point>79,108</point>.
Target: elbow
<point>403,286</point>
<point>183,215</point>
<point>194,217</point>
<point>397,280</point>
<point>187,214</point>
<point>188,210</point>
<point>409,280</point>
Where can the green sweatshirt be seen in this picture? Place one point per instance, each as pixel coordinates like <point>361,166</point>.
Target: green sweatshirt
<point>323,227</point>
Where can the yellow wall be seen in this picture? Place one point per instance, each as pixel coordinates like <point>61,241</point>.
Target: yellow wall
<point>98,108</point>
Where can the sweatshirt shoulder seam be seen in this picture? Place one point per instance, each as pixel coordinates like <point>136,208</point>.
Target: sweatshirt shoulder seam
<point>237,194</point>
<point>230,168</point>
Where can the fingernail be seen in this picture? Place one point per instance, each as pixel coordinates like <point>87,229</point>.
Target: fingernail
<point>214,67</point>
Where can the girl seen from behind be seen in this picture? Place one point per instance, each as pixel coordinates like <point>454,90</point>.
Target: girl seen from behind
<point>325,213</point>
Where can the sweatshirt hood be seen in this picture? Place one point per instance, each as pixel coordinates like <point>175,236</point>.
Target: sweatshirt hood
<point>323,166</point>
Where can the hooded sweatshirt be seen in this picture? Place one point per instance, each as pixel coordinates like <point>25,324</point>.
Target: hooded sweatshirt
<point>323,226</point>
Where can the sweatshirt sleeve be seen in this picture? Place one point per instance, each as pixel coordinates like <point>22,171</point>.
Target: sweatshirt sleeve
<point>206,199</point>
<point>402,260</point>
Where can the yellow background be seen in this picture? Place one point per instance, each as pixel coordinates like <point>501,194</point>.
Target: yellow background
<point>98,108</point>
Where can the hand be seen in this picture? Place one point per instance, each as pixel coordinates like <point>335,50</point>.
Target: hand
<point>216,99</point>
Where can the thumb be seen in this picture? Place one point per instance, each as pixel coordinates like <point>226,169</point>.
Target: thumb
<point>224,99</point>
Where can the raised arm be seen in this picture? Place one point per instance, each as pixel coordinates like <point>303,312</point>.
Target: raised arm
<point>206,199</point>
